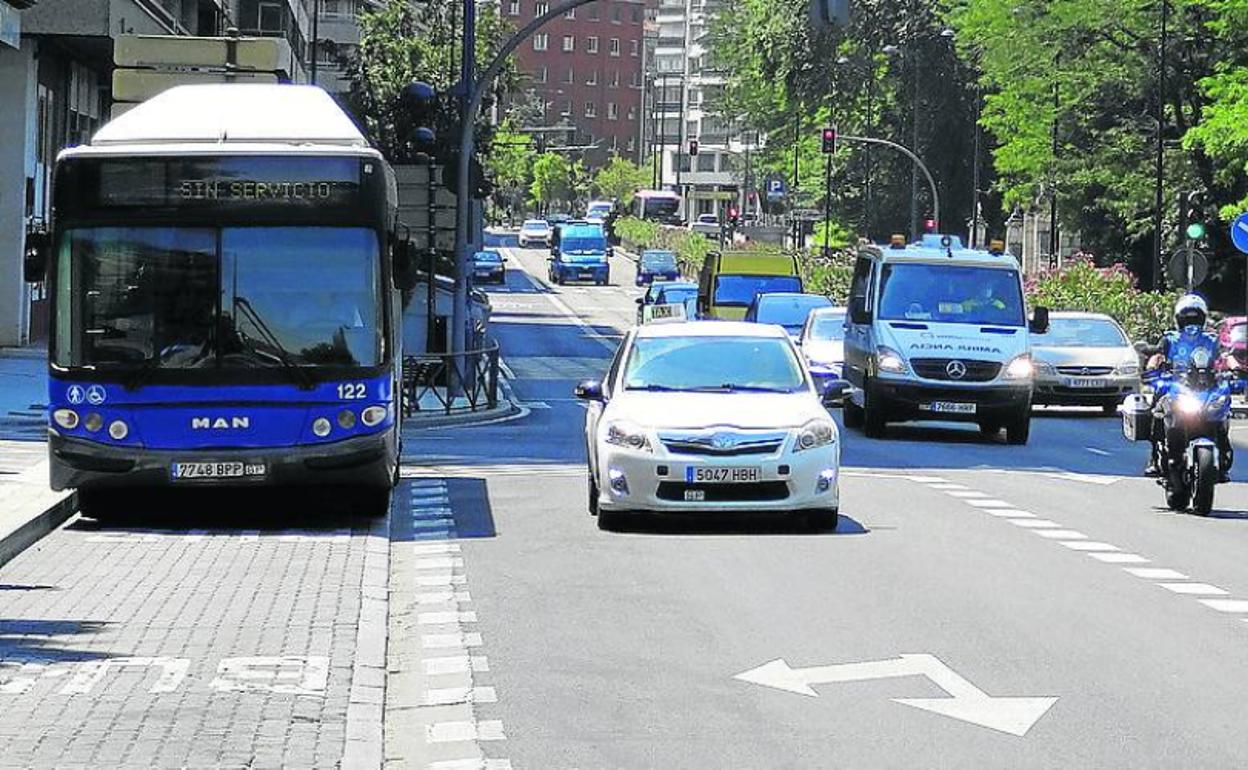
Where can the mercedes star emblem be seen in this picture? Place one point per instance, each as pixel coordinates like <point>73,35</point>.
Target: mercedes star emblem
<point>956,370</point>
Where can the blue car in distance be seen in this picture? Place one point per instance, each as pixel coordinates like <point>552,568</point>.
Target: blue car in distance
<point>487,266</point>
<point>656,265</point>
<point>580,253</point>
<point>787,309</point>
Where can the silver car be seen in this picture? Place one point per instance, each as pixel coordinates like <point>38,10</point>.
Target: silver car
<point>1085,359</point>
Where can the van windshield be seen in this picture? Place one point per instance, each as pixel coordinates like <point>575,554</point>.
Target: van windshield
<point>740,290</point>
<point>951,294</point>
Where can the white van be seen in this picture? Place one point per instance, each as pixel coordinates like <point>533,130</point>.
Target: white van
<point>939,332</point>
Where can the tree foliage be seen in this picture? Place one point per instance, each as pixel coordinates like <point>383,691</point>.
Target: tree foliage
<point>619,180</point>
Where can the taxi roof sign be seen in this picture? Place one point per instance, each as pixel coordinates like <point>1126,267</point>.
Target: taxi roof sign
<point>663,314</point>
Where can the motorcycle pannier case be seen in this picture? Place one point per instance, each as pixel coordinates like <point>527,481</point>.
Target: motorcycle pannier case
<point>1137,418</point>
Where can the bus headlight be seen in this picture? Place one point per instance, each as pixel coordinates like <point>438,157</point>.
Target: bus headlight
<point>373,416</point>
<point>346,419</point>
<point>66,418</point>
<point>118,430</point>
<point>93,422</point>
<point>321,427</point>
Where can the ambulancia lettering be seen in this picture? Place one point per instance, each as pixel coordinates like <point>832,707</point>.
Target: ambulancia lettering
<point>220,423</point>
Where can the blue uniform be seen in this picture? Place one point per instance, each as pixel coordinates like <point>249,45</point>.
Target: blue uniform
<point>1178,346</point>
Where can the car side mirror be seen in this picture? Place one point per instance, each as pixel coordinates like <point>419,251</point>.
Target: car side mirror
<point>835,392</point>
<point>641,300</point>
<point>589,390</point>
<point>858,312</point>
<point>404,253</point>
<point>610,252</point>
<point>1039,321</point>
<point>35,262</point>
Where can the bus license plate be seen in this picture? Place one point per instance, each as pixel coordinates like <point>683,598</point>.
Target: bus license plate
<point>724,475</point>
<point>223,470</point>
<point>949,407</point>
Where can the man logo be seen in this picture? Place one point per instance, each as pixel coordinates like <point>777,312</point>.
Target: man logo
<point>220,423</point>
<point>956,370</point>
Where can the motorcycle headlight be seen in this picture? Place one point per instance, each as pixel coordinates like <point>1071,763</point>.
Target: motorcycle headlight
<point>815,434</point>
<point>628,435</point>
<point>1020,368</point>
<point>1189,404</point>
<point>890,360</point>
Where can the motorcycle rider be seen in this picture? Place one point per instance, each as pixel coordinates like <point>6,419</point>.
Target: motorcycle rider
<point>1175,352</point>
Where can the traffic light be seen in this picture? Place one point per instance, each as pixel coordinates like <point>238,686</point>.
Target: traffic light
<point>1194,215</point>
<point>929,225</point>
<point>693,147</point>
<point>733,214</point>
<point>829,140</point>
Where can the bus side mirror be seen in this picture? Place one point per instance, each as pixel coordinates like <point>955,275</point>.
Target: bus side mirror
<point>35,262</point>
<point>1039,321</point>
<point>858,312</point>
<point>405,265</point>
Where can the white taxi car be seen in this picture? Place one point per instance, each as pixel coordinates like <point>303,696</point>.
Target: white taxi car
<point>707,417</point>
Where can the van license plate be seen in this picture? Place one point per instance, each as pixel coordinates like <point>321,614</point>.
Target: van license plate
<point>222,470</point>
<point>724,475</point>
<point>949,407</point>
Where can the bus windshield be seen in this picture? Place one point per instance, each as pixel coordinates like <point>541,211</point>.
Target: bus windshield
<point>162,297</point>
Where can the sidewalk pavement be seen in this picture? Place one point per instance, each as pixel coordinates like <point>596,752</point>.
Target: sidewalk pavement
<point>23,394</point>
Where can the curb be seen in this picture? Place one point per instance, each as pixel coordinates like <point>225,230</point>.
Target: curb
<point>33,530</point>
<point>365,721</point>
<point>508,407</point>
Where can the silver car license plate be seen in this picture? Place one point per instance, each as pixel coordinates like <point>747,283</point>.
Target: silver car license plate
<point>220,470</point>
<point>1083,382</point>
<point>747,475</point>
<point>950,407</point>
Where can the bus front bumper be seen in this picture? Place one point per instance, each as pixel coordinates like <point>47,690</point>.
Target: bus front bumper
<point>363,461</point>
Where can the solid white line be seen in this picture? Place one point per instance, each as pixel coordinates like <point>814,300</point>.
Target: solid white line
<point>1089,545</point>
<point>1194,589</point>
<point>1119,558</point>
<point>989,503</point>
<point>447,641</point>
<point>453,732</point>
<point>1062,534</point>
<point>439,618</point>
<point>1035,523</point>
<point>1156,573</point>
<point>1095,451</point>
<point>1226,605</point>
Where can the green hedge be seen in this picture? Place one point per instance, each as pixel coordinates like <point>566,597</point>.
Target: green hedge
<point>1083,286</point>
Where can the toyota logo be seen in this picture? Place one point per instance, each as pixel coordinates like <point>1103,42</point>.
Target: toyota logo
<point>956,370</point>
<point>722,441</point>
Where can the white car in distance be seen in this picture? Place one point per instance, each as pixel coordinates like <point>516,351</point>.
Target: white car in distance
<point>535,232</point>
<point>711,417</point>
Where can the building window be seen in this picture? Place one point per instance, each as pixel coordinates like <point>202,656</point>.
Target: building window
<point>541,41</point>
<point>567,109</point>
<point>613,111</point>
<point>636,18</point>
<point>632,113</point>
<point>541,75</point>
<point>613,47</point>
<point>592,80</point>
<point>594,15</point>
<point>635,48</point>
<point>706,161</point>
<point>513,8</point>
<point>569,43</point>
<point>569,76</point>
<point>570,14</point>
<point>591,44</point>
<point>591,109</point>
<point>615,14</point>
<point>540,8</point>
<point>615,144</point>
<point>615,80</point>
<point>636,80</point>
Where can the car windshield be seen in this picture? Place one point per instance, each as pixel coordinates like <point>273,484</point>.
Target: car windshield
<point>1239,333</point>
<point>489,256</point>
<point>740,290</point>
<point>535,227</point>
<point>158,296</point>
<point>1081,333</point>
<point>828,326</point>
<point>696,363</point>
<point>658,260</point>
<point>789,312</point>
<point>951,294</point>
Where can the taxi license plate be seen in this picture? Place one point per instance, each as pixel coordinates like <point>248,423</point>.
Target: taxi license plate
<point>1080,382</point>
<point>723,475</point>
<point>949,407</point>
<point>222,470</point>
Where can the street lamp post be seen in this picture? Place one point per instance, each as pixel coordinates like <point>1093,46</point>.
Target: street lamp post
<point>1160,186</point>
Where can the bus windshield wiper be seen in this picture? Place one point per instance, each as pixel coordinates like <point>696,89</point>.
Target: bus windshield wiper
<point>298,375</point>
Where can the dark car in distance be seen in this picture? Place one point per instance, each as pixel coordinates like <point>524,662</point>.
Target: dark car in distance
<point>656,265</point>
<point>488,266</point>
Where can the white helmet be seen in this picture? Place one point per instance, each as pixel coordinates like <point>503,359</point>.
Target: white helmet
<point>1190,310</point>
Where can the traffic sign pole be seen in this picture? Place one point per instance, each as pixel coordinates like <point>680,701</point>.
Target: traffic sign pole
<point>1239,237</point>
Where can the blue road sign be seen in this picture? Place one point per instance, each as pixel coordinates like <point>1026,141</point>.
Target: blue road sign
<point>776,188</point>
<point>1239,232</point>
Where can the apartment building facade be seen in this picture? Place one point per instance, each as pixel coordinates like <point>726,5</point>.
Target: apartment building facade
<point>584,73</point>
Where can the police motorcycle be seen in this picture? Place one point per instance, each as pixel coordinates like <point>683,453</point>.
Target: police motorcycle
<point>1192,406</point>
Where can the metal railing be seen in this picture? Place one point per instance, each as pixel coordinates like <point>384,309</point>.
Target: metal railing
<point>451,382</point>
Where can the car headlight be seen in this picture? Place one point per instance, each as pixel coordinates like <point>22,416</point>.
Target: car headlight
<point>889,360</point>
<point>1128,368</point>
<point>1020,368</point>
<point>1189,404</point>
<point>628,435</point>
<point>815,434</point>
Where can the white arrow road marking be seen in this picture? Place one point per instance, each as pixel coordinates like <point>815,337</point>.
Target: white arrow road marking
<point>967,702</point>
<point>1242,226</point>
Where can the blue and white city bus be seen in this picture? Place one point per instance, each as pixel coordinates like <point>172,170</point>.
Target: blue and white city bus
<point>225,276</point>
